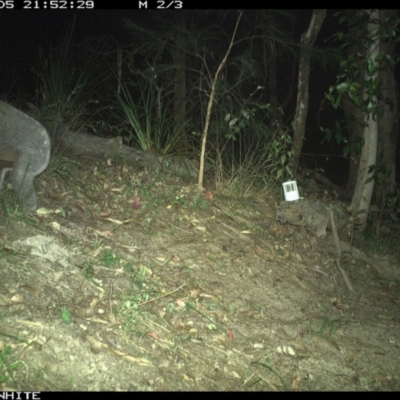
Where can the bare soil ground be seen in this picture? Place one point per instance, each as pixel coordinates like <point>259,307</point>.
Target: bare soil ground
<point>172,290</point>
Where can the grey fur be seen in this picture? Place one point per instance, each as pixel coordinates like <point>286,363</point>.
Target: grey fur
<point>313,215</point>
<point>26,143</point>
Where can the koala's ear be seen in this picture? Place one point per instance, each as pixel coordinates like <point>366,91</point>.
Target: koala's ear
<point>25,145</point>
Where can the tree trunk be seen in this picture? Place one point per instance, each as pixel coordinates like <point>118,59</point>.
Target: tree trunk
<point>307,41</point>
<point>363,191</point>
<point>388,116</point>
<point>354,113</point>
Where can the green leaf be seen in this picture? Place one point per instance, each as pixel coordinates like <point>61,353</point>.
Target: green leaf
<point>390,60</point>
<point>338,137</point>
<point>377,81</point>
<point>336,104</point>
<point>66,316</point>
<point>342,87</point>
<point>353,96</point>
<point>354,87</point>
<point>358,147</point>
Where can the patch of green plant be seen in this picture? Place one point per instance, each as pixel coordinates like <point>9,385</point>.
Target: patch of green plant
<point>255,173</point>
<point>189,307</point>
<point>266,235</point>
<point>93,189</point>
<point>66,316</point>
<point>109,257</point>
<point>211,306</point>
<point>8,204</point>
<point>376,238</point>
<point>132,311</point>
<point>59,166</point>
<point>68,79</point>
<point>258,229</point>
<point>138,276</point>
<point>150,128</point>
<point>12,207</point>
<point>199,202</point>
<point>280,152</point>
<point>267,364</point>
<point>8,368</point>
<point>328,326</point>
<point>180,199</point>
<point>392,203</point>
<point>379,244</point>
<point>145,192</point>
<point>87,271</point>
<point>131,303</point>
<point>340,138</point>
<point>96,244</point>
<point>170,307</point>
<point>39,377</point>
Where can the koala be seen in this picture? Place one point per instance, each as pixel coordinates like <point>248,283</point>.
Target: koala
<point>24,150</point>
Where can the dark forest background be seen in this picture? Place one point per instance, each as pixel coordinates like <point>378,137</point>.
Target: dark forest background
<point>147,76</point>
